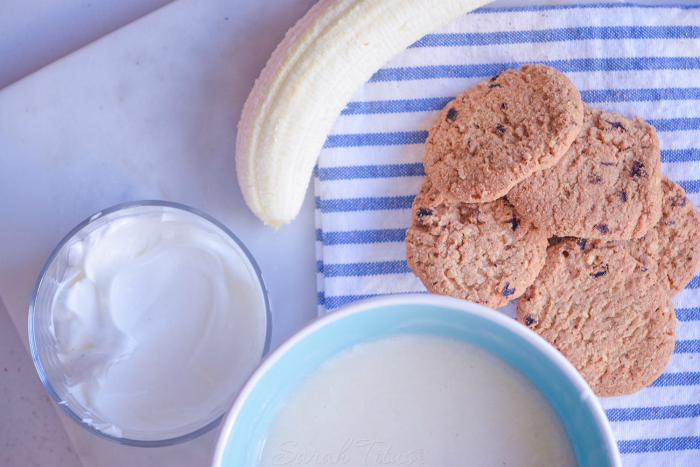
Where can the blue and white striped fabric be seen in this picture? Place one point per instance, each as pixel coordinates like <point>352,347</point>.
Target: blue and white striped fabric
<point>636,60</point>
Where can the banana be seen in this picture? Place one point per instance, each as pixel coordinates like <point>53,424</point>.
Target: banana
<point>311,75</point>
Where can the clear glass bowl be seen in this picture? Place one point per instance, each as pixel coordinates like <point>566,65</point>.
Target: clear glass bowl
<point>43,343</point>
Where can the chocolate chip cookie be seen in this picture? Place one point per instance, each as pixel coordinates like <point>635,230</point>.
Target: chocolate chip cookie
<point>502,130</point>
<point>607,185</point>
<point>484,253</point>
<point>605,312</point>
<point>672,246</point>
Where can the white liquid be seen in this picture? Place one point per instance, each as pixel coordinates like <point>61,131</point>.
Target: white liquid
<point>417,400</point>
<point>158,320</point>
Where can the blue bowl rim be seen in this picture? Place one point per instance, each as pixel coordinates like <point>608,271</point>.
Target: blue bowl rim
<point>33,347</point>
<point>480,311</point>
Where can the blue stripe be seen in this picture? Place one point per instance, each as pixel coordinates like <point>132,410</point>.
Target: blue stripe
<point>487,10</point>
<point>677,379</point>
<point>364,204</point>
<point>395,106</point>
<point>688,346</point>
<point>320,298</point>
<point>365,269</point>
<point>375,139</point>
<point>653,413</point>
<point>565,66</point>
<point>676,124</point>
<point>640,95</point>
<point>558,35</point>
<point>690,186</point>
<point>357,237</point>
<point>319,267</point>
<point>658,444</point>
<point>337,301</point>
<point>371,171</point>
<point>319,235</point>
<point>688,314</point>
<point>592,96</point>
<point>680,155</point>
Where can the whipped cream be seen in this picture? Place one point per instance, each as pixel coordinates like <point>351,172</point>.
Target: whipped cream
<point>158,318</point>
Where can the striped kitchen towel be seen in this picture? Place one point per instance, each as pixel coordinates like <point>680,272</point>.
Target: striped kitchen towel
<point>633,59</point>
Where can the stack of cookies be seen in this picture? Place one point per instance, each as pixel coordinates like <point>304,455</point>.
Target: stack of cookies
<point>531,194</point>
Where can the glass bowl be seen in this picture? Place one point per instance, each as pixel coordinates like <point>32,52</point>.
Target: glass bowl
<point>42,334</point>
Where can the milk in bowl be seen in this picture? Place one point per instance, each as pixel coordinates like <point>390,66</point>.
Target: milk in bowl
<point>419,380</point>
<point>417,399</point>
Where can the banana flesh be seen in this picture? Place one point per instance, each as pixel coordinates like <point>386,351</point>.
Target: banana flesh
<point>308,80</point>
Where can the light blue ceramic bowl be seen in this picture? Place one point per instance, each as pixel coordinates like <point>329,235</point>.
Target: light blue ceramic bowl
<point>245,428</point>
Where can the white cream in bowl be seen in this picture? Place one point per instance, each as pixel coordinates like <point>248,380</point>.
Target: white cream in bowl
<point>158,319</point>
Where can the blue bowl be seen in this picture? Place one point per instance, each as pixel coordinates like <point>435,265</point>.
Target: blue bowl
<point>246,426</point>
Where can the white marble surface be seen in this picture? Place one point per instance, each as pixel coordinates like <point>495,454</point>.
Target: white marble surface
<point>148,111</point>
<point>34,33</point>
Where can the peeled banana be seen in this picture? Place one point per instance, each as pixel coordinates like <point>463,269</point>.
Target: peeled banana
<point>311,75</point>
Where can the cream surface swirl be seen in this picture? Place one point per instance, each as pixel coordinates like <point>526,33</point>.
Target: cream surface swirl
<point>158,320</point>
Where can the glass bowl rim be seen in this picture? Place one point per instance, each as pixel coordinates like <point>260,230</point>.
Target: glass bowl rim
<point>48,263</point>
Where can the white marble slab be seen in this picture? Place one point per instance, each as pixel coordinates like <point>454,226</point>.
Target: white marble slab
<point>148,111</point>
<point>34,33</point>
